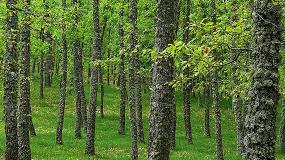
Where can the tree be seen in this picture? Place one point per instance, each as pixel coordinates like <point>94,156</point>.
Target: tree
<point>132,78</point>
<point>162,94</point>
<point>186,85</point>
<point>90,149</point>
<point>11,81</point>
<point>122,75</point>
<point>63,80</point>
<point>260,119</point>
<point>24,106</point>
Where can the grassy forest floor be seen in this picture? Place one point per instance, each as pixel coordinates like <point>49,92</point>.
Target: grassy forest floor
<point>109,145</point>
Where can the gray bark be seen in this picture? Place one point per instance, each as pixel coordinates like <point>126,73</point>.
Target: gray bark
<point>216,95</point>
<point>90,149</point>
<point>24,117</point>
<point>260,134</point>
<point>11,82</point>
<point>62,82</point>
<point>186,72</point>
<point>132,79</point>
<point>123,89</point>
<point>162,94</point>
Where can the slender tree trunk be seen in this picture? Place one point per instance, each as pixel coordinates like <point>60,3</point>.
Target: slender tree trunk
<point>101,73</point>
<point>123,89</point>
<point>24,117</point>
<point>236,100</point>
<point>139,105</point>
<point>132,79</point>
<point>163,72</point>
<point>90,149</point>
<point>11,82</point>
<point>78,80</point>
<point>207,105</point>
<point>42,76</point>
<point>216,95</point>
<point>48,65</point>
<point>186,72</point>
<point>34,65</point>
<point>62,82</point>
<point>82,92</point>
<point>260,119</point>
<point>282,128</point>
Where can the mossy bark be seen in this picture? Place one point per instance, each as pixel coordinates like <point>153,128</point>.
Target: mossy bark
<point>260,135</point>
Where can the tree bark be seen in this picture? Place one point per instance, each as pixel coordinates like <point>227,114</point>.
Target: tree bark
<point>132,79</point>
<point>11,81</point>
<point>123,89</point>
<point>63,81</point>
<point>216,95</point>
<point>163,72</point>
<point>24,116</point>
<point>90,149</point>
<point>207,128</point>
<point>260,119</point>
<point>186,72</point>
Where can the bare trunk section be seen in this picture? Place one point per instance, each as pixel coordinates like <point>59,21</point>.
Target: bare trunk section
<point>123,89</point>
<point>62,82</point>
<point>24,117</point>
<point>90,136</point>
<point>132,79</point>
<point>207,97</point>
<point>260,133</point>
<point>162,94</point>
<point>11,82</point>
<point>216,95</point>
<point>186,72</point>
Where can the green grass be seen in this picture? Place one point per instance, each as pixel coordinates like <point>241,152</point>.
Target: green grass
<point>109,145</point>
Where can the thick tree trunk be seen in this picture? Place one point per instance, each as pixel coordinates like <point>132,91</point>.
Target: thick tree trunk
<point>11,82</point>
<point>260,119</point>
<point>90,149</point>
<point>62,82</point>
<point>132,79</point>
<point>24,116</point>
<point>123,89</point>
<point>162,94</point>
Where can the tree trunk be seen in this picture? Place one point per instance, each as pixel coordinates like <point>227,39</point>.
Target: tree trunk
<point>24,106</point>
<point>260,119</point>
<point>90,149</point>
<point>216,95</point>
<point>34,65</point>
<point>101,73</point>
<point>139,105</point>
<point>282,128</point>
<point>62,82</point>
<point>186,72</point>
<point>42,76</point>
<point>163,72</point>
<point>207,105</point>
<point>123,89</point>
<point>132,79</point>
<point>11,82</point>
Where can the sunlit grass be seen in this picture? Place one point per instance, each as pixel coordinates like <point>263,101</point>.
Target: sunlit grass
<point>109,145</point>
